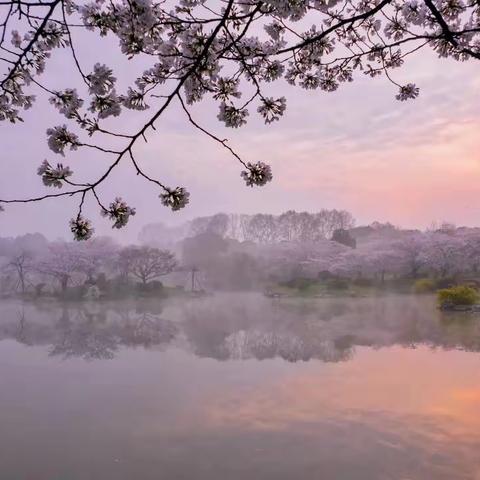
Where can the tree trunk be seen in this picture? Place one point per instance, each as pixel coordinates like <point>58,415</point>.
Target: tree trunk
<point>21,277</point>
<point>64,282</point>
<point>22,281</point>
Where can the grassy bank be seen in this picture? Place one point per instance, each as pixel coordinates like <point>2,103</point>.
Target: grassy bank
<point>336,287</point>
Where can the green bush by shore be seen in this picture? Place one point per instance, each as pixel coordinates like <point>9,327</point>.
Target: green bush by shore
<point>424,285</point>
<point>458,295</point>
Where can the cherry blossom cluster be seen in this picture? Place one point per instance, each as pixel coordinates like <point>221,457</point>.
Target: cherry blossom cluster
<point>60,138</point>
<point>53,176</point>
<point>257,174</point>
<point>119,212</point>
<point>175,199</point>
<point>81,228</point>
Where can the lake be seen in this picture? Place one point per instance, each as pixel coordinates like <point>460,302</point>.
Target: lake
<point>238,386</point>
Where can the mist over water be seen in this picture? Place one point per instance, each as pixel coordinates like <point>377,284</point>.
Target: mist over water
<point>239,386</point>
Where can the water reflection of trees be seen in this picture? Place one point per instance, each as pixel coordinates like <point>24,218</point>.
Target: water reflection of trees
<point>243,327</point>
<point>92,335</point>
<point>327,330</point>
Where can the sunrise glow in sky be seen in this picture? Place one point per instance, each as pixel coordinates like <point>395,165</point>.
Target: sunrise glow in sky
<point>359,149</point>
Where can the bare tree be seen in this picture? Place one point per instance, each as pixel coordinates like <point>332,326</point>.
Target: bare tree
<point>262,228</point>
<point>296,226</point>
<point>21,264</point>
<point>217,224</point>
<point>147,263</point>
<point>63,262</point>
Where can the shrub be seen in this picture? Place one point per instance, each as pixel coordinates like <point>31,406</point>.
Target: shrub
<point>153,288</point>
<point>400,284</point>
<point>459,295</point>
<point>446,282</point>
<point>74,293</point>
<point>424,285</point>
<point>337,284</point>
<point>363,282</point>
<point>299,283</point>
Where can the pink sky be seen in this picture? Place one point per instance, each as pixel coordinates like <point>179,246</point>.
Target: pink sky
<point>359,149</point>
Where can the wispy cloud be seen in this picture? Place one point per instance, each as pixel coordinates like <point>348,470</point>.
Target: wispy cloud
<point>357,148</point>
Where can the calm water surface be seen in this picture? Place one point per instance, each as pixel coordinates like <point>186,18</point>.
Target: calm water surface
<point>239,387</point>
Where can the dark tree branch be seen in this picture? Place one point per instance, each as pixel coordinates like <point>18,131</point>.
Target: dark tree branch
<point>449,35</point>
<point>32,42</point>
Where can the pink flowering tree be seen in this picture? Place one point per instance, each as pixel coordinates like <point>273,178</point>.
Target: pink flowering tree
<point>230,51</point>
<point>350,264</point>
<point>383,260</point>
<point>96,256</point>
<point>445,253</point>
<point>288,260</point>
<point>378,258</point>
<point>411,249</point>
<point>471,238</point>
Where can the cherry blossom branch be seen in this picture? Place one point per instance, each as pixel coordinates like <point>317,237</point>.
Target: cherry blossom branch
<point>331,29</point>
<point>32,42</point>
<point>209,134</point>
<point>447,32</point>
<point>188,63</point>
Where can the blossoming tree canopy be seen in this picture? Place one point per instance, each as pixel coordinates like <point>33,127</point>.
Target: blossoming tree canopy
<point>227,50</point>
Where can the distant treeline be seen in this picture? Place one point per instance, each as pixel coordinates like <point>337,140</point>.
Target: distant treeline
<point>237,252</point>
<point>258,228</point>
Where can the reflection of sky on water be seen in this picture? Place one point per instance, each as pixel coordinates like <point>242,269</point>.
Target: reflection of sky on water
<point>173,410</point>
